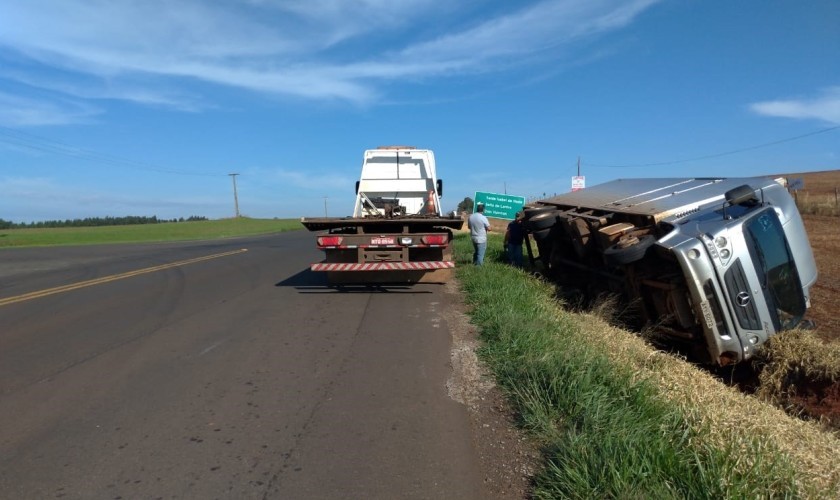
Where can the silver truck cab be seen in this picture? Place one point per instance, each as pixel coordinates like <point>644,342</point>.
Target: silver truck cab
<point>748,266</point>
<point>723,263</point>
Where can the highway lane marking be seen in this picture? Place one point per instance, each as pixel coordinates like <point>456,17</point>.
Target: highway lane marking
<point>211,347</point>
<point>113,277</point>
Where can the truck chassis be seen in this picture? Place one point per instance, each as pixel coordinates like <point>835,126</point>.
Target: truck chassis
<point>399,249</point>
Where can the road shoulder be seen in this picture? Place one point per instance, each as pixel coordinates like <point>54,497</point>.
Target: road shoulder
<point>508,458</point>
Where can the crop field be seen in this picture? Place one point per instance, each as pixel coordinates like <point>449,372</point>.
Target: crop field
<point>824,234</point>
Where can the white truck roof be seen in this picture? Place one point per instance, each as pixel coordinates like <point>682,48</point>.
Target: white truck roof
<point>659,198</point>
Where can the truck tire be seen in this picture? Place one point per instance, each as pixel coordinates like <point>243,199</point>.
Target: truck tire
<point>532,211</point>
<point>542,220</point>
<point>616,255</point>
<point>541,235</point>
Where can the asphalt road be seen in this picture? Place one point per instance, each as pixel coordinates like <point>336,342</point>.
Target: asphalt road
<point>222,369</point>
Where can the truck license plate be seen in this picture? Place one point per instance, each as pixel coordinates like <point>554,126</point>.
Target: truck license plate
<point>382,241</point>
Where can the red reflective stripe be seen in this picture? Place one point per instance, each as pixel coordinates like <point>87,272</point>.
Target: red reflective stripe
<point>382,266</point>
<point>345,247</point>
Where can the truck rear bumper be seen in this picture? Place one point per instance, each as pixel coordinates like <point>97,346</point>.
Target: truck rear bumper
<point>382,266</point>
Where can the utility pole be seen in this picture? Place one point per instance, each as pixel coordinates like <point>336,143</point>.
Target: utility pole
<point>578,166</point>
<point>325,207</point>
<point>235,197</point>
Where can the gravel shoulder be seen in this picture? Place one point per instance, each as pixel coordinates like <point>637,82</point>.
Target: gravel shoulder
<point>509,459</point>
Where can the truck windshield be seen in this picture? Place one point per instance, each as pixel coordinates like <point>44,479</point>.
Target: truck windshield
<point>776,269</point>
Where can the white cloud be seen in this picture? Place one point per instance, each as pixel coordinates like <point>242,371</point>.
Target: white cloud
<point>825,107</point>
<point>317,49</point>
<point>150,93</point>
<point>543,26</point>
<point>17,111</point>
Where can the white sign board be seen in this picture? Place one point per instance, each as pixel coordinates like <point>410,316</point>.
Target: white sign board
<point>578,182</point>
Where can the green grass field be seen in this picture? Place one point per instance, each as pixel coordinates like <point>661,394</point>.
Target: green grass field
<point>616,418</point>
<point>168,231</point>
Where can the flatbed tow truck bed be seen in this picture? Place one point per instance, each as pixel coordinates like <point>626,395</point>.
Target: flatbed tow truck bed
<point>418,223</point>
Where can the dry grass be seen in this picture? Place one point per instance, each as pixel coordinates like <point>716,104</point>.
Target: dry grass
<point>735,420</point>
<point>817,204</point>
<point>800,351</point>
<point>820,192</point>
<point>795,363</point>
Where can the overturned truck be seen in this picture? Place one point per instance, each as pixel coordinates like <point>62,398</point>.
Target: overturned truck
<point>715,265</point>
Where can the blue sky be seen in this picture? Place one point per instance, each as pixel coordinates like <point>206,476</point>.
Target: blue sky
<point>144,107</point>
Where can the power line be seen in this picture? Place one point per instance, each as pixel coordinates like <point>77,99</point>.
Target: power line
<point>42,144</point>
<point>717,155</point>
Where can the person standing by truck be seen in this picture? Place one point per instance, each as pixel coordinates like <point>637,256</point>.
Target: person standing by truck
<point>479,225</point>
<point>514,237</point>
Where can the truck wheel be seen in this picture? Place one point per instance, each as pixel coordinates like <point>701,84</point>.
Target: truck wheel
<point>543,220</point>
<point>622,255</point>
<point>530,212</point>
<point>541,235</point>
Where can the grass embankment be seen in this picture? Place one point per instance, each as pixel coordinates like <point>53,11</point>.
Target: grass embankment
<point>167,231</point>
<point>618,419</point>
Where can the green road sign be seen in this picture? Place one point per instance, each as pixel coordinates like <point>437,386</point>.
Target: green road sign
<point>500,206</point>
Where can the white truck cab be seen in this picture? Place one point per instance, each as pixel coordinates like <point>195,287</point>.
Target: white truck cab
<point>398,180</point>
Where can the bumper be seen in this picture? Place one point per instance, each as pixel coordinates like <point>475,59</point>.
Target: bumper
<point>382,266</point>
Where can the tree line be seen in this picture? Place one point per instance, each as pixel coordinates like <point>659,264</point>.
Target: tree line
<point>96,221</point>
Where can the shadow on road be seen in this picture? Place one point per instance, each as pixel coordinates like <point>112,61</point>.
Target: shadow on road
<point>304,279</point>
<point>308,281</point>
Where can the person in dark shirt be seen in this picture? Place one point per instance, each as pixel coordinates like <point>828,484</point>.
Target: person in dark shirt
<point>514,236</point>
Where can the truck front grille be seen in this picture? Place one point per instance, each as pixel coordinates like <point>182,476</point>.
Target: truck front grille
<point>742,299</point>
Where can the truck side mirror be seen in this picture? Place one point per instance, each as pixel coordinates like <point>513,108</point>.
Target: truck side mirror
<point>357,187</point>
<point>440,188</point>
<point>741,195</point>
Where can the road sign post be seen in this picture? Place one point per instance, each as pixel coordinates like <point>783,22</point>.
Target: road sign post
<point>500,206</point>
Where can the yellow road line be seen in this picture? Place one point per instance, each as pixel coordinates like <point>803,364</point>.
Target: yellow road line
<point>114,277</point>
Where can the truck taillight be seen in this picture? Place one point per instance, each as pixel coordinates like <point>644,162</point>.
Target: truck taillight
<point>329,241</point>
<point>436,239</point>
